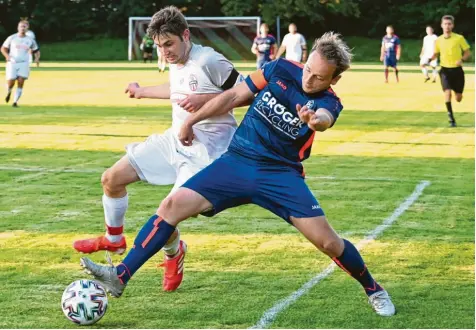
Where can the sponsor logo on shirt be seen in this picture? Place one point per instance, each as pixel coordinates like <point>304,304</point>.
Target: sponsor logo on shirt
<point>192,82</point>
<point>278,115</point>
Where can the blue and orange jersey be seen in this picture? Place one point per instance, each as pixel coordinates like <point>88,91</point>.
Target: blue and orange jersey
<point>264,46</point>
<point>271,130</point>
<point>391,45</point>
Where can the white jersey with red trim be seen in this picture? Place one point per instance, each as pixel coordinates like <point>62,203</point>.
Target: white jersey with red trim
<point>204,73</point>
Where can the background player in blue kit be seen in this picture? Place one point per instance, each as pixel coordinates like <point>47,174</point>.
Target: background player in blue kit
<point>264,46</point>
<point>390,51</point>
<point>289,103</point>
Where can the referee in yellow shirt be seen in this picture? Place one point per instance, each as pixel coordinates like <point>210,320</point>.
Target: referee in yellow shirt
<point>453,50</point>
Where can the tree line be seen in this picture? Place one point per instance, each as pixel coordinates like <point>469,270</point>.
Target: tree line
<point>68,20</point>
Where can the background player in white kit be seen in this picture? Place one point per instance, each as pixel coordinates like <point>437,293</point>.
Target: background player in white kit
<point>294,45</point>
<point>16,49</point>
<point>197,74</point>
<point>427,52</point>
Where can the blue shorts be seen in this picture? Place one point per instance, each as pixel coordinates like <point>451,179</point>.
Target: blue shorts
<point>233,180</point>
<point>390,61</point>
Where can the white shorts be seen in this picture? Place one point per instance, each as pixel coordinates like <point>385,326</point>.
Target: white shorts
<point>163,160</point>
<point>15,70</point>
<point>426,61</point>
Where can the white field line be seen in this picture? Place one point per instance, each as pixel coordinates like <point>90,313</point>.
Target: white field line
<point>270,315</point>
<point>100,170</point>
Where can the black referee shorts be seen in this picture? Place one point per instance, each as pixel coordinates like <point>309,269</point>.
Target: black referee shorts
<point>452,78</point>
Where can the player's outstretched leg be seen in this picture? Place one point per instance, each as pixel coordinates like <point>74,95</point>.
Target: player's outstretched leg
<point>435,74</point>
<point>347,257</point>
<point>115,203</point>
<point>151,239</point>
<point>425,72</point>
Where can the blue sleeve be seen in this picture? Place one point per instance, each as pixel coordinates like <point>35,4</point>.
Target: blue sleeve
<point>273,40</point>
<point>260,78</point>
<point>397,41</point>
<point>331,104</point>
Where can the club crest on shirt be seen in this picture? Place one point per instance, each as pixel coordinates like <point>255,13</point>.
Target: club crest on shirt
<point>310,104</point>
<point>192,82</point>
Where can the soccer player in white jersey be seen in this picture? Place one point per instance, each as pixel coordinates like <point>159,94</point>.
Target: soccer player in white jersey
<point>294,45</point>
<point>427,52</point>
<point>197,74</point>
<point>16,49</point>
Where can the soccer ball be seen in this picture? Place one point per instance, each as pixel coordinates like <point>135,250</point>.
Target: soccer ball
<point>84,302</point>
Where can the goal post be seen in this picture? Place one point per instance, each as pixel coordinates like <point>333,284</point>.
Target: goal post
<point>232,35</point>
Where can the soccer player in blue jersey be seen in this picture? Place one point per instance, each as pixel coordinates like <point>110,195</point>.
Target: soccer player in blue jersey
<point>390,51</point>
<point>264,46</point>
<point>289,103</point>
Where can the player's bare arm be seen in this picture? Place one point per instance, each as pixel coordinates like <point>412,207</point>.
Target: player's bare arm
<point>399,52</point>
<point>318,120</point>
<point>281,50</point>
<point>238,96</point>
<point>273,52</point>
<point>149,92</point>
<point>5,52</point>
<point>466,55</point>
<point>37,55</point>
<point>194,102</point>
<point>382,52</point>
<point>254,49</point>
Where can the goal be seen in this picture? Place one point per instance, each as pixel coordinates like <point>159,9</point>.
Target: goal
<point>231,36</point>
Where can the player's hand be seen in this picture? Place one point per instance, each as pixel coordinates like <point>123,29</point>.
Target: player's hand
<point>304,113</point>
<point>381,58</point>
<point>459,63</point>
<point>7,58</point>
<point>133,90</point>
<point>193,102</point>
<point>185,135</point>
<point>398,58</point>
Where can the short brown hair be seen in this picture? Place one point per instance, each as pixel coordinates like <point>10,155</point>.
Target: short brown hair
<point>335,50</point>
<point>168,20</point>
<point>448,17</point>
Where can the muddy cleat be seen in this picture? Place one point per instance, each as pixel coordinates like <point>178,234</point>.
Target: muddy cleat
<point>173,272</point>
<point>100,243</point>
<point>382,304</point>
<point>7,99</point>
<point>106,275</point>
<point>15,105</point>
<point>453,123</point>
<point>426,79</point>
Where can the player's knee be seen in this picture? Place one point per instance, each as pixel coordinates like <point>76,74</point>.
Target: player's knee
<point>459,97</point>
<point>332,246</point>
<point>108,180</point>
<point>168,207</point>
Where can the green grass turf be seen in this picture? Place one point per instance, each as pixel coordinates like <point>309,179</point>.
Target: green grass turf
<point>388,139</point>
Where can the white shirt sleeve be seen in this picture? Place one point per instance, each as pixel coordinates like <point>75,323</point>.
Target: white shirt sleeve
<point>7,42</point>
<point>218,68</point>
<point>34,45</point>
<point>302,41</point>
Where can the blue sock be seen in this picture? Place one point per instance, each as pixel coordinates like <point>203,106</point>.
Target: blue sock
<point>151,238</point>
<point>353,264</point>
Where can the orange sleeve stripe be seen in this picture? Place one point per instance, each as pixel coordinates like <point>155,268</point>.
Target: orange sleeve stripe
<point>258,79</point>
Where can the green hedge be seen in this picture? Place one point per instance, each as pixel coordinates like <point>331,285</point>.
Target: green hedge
<point>365,50</point>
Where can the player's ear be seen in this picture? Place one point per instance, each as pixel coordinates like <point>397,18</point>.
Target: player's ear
<point>186,35</point>
<point>335,79</point>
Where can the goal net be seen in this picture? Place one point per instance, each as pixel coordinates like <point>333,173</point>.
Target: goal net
<point>231,36</point>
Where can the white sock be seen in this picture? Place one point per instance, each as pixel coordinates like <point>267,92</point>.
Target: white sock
<point>17,94</point>
<point>114,212</point>
<point>172,248</point>
<point>435,73</point>
<point>425,71</point>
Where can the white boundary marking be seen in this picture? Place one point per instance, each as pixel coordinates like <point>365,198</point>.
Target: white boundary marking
<point>270,315</point>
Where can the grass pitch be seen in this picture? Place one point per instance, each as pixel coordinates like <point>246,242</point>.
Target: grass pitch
<point>73,124</point>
